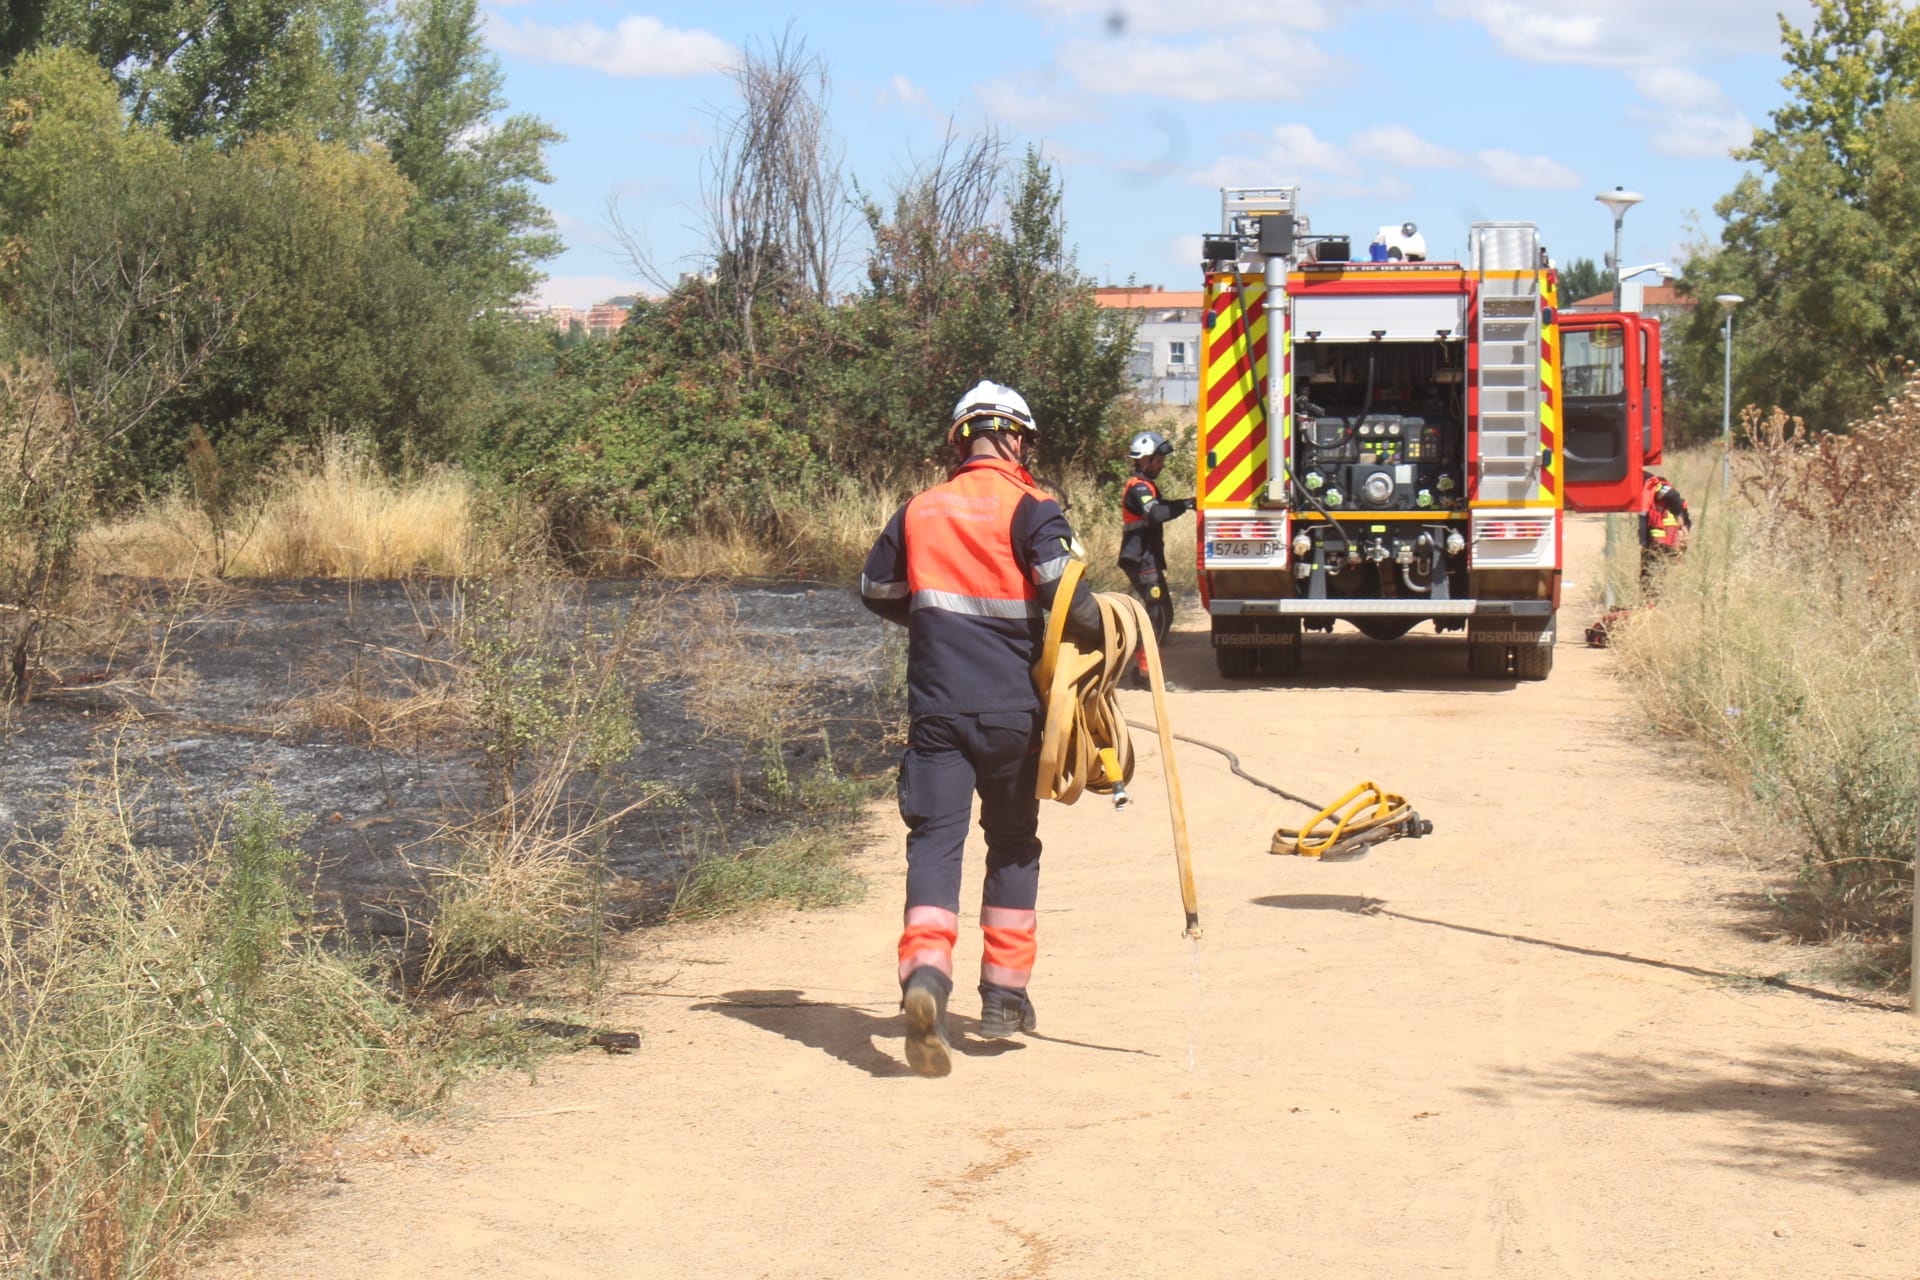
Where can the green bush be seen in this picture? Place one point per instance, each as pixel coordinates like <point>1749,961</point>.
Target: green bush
<point>168,1031</point>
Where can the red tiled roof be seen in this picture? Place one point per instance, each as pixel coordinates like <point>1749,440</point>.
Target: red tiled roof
<point>1656,295</point>
<point>1146,297</point>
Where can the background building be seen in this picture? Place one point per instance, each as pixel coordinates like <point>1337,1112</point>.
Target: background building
<point>1166,353</point>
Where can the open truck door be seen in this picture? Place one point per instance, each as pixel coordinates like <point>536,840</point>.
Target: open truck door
<point>1611,391</point>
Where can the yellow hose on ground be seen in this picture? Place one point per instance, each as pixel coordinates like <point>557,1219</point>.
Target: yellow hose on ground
<point>1345,828</point>
<point>1085,746</point>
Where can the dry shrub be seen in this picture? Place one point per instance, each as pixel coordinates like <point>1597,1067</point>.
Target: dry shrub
<point>744,688</point>
<point>542,682</point>
<point>1788,640</point>
<point>525,882</point>
<point>333,513</point>
<point>798,535</point>
<point>405,696</point>
<point>47,465</point>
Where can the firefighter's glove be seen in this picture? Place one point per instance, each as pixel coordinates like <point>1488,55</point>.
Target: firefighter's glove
<point>1182,505</point>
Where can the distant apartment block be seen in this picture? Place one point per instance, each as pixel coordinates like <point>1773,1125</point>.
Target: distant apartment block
<point>600,320</point>
<point>1165,368</point>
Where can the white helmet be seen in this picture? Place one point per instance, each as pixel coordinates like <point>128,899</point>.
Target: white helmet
<point>1148,444</point>
<point>989,407</point>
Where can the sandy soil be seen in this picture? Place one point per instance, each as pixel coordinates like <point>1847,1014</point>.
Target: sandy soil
<point>1536,1043</point>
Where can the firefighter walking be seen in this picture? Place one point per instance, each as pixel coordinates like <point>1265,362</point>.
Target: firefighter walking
<point>1143,543</point>
<point>970,568</point>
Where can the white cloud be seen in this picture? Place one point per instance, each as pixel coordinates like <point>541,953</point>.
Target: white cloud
<point>902,90</point>
<point>636,46</point>
<point>1697,135</point>
<point>1397,145</point>
<point>1627,33</point>
<point>1036,108</point>
<point>1181,17</point>
<point>1677,88</point>
<point>1293,152</point>
<point>1510,169</point>
<point>1265,66</point>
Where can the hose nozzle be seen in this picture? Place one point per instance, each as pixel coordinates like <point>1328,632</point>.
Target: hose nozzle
<point>1120,797</point>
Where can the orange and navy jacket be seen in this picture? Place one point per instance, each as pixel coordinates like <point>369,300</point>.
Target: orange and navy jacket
<point>970,567</point>
<point>1663,512</point>
<point>1143,543</point>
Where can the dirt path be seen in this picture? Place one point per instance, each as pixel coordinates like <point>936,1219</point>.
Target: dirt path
<point>1530,1045</point>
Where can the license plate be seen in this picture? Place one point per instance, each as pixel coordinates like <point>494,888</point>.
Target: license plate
<point>1245,547</point>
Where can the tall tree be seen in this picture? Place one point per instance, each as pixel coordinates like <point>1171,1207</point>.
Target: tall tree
<point>1820,240</point>
<point>476,222</point>
<point>1854,58</point>
<point>226,69</point>
<point>21,23</point>
<point>1582,278</point>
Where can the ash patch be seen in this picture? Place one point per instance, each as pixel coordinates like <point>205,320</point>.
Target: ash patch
<point>263,685</point>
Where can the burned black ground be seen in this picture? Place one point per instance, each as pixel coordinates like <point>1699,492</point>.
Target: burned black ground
<point>210,697</point>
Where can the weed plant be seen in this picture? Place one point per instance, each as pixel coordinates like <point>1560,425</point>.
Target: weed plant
<point>170,1028</point>
<point>522,882</point>
<point>1788,641</point>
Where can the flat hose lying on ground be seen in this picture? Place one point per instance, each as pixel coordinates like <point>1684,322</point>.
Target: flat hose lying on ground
<point>1347,832</point>
<point>1085,746</point>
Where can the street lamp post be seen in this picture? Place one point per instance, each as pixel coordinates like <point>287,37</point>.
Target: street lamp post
<point>1727,301</point>
<point>1618,201</point>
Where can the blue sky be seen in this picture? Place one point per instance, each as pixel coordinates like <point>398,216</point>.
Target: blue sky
<point>1439,112</point>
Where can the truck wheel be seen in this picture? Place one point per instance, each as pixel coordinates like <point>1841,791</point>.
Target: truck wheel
<point>1487,658</point>
<point>1234,661</point>
<point>1281,660</point>
<point>1534,661</point>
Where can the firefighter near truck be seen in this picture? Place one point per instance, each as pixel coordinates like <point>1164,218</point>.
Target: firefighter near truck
<point>1394,441</point>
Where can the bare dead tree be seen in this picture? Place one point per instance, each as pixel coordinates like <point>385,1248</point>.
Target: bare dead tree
<point>774,208</point>
<point>943,217</point>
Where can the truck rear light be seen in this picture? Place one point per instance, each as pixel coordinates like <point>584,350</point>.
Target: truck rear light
<point>1252,530</point>
<point>1512,530</point>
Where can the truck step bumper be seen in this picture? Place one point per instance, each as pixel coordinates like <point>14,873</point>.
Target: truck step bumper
<point>1380,608</point>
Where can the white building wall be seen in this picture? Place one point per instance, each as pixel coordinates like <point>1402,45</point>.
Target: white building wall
<point>1166,363</point>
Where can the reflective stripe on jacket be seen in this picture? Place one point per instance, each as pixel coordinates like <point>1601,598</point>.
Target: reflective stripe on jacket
<point>1143,544</point>
<point>971,566</point>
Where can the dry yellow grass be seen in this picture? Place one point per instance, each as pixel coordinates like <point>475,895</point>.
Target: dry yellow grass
<point>1787,641</point>
<point>336,514</point>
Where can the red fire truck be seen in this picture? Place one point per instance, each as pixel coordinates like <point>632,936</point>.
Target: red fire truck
<point>1395,441</point>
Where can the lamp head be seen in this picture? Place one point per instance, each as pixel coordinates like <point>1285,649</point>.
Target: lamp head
<point>1619,201</point>
<point>1728,301</point>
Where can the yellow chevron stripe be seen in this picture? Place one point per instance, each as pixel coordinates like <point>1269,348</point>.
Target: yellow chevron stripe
<point>1550,402</point>
<point>1243,388</point>
<point>1255,461</point>
<point>1286,407</point>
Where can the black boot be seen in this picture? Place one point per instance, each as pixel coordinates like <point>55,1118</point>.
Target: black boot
<point>1005,1012</point>
<point>924,999</point>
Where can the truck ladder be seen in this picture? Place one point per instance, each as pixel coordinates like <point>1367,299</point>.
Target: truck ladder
<point>1507,380</point>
